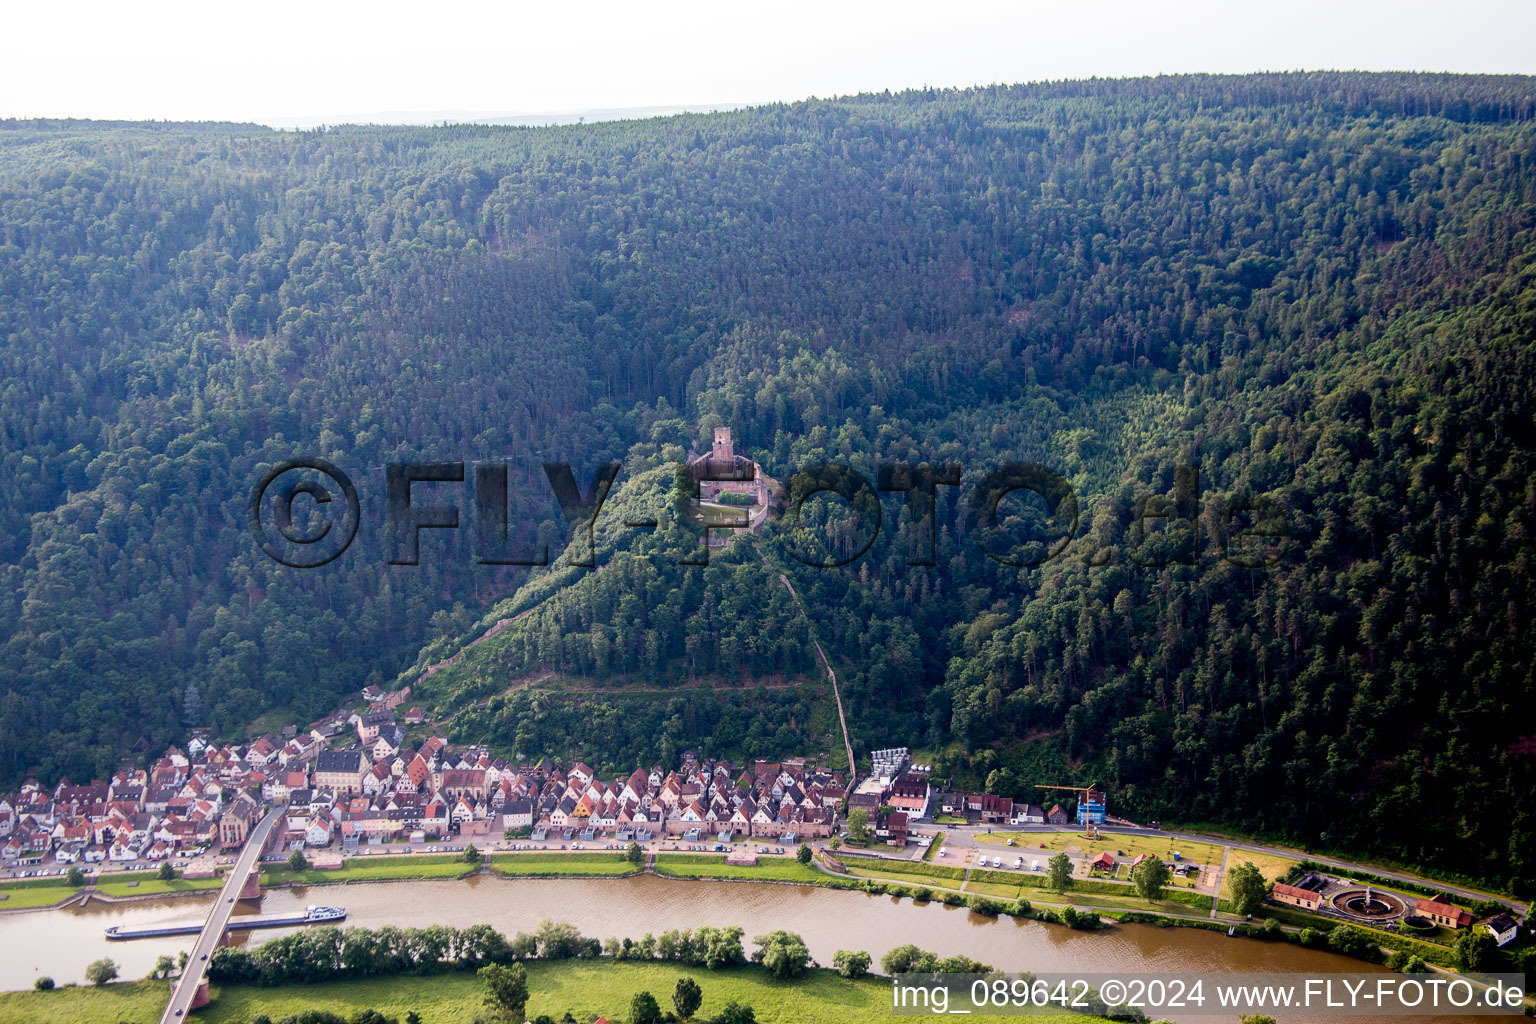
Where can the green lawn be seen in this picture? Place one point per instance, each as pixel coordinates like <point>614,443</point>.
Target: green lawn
<point>585,988</point>
<point>768,869</point>
<point>933,847</point>
<point>538,865</point>
<point>34,892</point>
<point>373,869</point>
<point>929,872</point>
<point>136,1002</point>
<point>148,884</point>
<point>930,881</point>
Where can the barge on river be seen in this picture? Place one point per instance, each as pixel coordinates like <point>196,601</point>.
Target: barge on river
<point>311,915</point>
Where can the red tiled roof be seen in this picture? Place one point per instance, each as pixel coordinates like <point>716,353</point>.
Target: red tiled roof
<point>1306,895</point>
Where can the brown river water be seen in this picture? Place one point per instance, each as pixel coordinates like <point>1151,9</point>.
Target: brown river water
<point>60,943</point>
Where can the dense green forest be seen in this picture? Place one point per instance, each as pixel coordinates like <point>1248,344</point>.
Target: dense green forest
<point>1319,289</point>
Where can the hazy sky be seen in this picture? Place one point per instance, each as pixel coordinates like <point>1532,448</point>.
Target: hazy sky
<point>292,63</point>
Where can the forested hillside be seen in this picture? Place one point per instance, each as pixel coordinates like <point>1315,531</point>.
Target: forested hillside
<point>1320,289</point>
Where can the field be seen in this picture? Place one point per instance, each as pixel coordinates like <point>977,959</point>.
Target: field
<point>1269,865</point>
<point>134,1002</point>
<point>372,869</point>
<point>1117,843</point>
<point>774,869</point>
<point>148,884</point>
<point>40,892</point>
<point>538,865</point>
<point>585,988</point>
<point>919,871</point>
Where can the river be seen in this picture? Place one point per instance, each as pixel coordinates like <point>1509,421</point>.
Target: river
<point>59,943</point>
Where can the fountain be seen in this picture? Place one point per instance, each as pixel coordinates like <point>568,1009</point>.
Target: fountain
<point>1369,905</point>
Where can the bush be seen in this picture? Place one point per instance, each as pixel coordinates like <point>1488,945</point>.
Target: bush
<point>982,905</point>
<point>1349,941</point>
<point>851,963</point>
<point>101,971</point>
<point>1082,920</point>
<point>166,872</point>
<point>734,1013</point>
<point>803,855</point>
<point>922,894</point>
<point>1474,950</point>
<point>1021,908</point>
<point>785,954</point>
<point>43,984</point>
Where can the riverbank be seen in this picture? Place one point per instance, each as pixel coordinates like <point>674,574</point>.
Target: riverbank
<point>585,988</point>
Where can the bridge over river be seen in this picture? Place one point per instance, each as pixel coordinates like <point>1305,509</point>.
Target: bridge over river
<point>191,988</point>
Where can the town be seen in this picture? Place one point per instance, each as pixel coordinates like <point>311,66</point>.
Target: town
<point>350,780</point>
<point>351,784</point>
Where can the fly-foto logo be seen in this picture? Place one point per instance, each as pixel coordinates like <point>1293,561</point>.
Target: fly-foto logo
<point>305,513</point>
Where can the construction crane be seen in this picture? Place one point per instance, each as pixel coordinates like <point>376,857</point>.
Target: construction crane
<point>1090,807</point>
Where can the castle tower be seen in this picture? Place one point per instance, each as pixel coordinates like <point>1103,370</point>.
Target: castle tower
<point>723,449</point>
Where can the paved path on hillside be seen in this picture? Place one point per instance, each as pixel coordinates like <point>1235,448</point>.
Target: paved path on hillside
<point>836,696</point>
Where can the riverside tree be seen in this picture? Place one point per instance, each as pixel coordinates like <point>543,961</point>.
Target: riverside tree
<point>785,954</point>
<point>851,963</point>
<point>508,997</point>
<point>99,972</point>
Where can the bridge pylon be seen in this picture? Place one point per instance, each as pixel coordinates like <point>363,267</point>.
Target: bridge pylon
<point>201,998</point>
<point>251,890</point>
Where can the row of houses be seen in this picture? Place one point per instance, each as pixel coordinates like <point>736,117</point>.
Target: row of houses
<point>1001,810</point>
<point>351,779</point>
<point>475,792</point>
